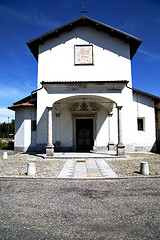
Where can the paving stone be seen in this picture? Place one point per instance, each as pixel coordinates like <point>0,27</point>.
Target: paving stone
<point>92,169</point>
<point>80,170</point>
<point>89,168</point>
<point>68,169</point>
<point>105,169</point>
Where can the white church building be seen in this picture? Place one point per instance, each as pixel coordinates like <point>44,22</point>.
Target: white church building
<point>84,99</point>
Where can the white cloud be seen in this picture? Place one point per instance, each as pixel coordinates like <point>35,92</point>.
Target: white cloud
<point>16,92</point>
<point>5,113</point>
<point>29,16</point>
<point>149,54</point>
<point>8,92</point>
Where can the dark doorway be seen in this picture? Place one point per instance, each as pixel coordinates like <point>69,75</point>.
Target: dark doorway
<point>84,134</point>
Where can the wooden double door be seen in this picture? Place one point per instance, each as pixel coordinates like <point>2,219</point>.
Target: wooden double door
<point>84,134</point>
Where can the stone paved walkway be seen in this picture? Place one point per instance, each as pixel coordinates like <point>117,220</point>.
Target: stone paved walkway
<point>87,168</point>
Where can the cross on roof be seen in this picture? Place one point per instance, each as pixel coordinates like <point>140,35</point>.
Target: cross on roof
<point>83,9</point>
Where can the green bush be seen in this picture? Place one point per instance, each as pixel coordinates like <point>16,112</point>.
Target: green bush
<point>6,146</point>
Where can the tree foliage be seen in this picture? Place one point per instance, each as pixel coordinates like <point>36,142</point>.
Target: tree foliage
<point>4,129</point>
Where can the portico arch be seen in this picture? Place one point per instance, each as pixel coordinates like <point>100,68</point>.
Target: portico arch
<point>83,108</point>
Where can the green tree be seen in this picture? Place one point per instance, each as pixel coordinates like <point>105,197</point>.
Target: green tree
<point>4,129</point>
<point>12,126</point>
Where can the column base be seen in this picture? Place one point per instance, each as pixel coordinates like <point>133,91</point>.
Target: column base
<point>111,146</point>
<point>50,150</point>
<point>120,149</point>
<point>94,148</point>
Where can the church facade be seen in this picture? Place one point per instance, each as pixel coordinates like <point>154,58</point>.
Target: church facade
<point>84,99</point>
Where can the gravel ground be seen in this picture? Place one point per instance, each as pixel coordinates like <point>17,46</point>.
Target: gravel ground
<point>130,166</point>
<point>16,164</point>
<point>117,209</point>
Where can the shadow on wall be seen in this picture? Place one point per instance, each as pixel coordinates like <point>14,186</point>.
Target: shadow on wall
<point>145,100</point>
<point>156,147</point>
<point>89,35</point>
<point>42,133</point>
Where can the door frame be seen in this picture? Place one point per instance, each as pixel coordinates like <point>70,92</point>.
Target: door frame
<point>91,116</point>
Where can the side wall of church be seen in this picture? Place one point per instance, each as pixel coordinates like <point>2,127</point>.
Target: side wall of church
<point>157,106</point>
<point>25,137</point>
<point>145,138</point>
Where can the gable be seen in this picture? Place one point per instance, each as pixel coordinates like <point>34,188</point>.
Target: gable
<point>85,21</point>
<point>110,57</point>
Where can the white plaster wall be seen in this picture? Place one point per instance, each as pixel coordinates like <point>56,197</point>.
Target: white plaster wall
<point>66,128</point>
<point>59,93</point>
<point>42,117</point>
<point>145,109</point>
<point>158,126</point>
<point>114,127</point>
<point>19,128</point>
<point>128,117</point>
<point>158,120</point>
<point>102,128</point>
<point>111,57</point>
<point>24,137</point>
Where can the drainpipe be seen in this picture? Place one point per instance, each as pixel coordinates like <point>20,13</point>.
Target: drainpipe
<point>128,86</point>
<point>36,90</point>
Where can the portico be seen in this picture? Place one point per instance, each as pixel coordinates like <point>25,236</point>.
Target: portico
<point>84,112</point>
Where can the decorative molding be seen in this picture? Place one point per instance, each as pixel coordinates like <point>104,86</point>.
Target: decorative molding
<point>86,107</point>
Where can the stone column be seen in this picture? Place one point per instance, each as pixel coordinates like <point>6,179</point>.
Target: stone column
<point>110,144</point>
<point>58,143</point>
<point>95,133</point>
<point>120,146</point>
<point>49,147</point>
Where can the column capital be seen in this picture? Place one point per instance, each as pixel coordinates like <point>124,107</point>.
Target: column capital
<point>119,107</point>
<point>49,108</point>
<point>110,114</point>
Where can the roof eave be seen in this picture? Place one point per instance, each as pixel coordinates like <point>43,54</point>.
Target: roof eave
<point>14,107</point>
<point>28,98</point>
<point>156,98</point>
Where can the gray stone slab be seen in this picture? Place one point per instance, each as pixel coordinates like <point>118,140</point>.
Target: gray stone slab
<point>68,169</point>
<point>92,169</point>
<point>105,169</point>
<point>80,170</point>
<point>89,168</point>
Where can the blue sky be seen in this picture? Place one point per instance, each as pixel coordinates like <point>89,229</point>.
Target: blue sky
<point>21,21</point>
